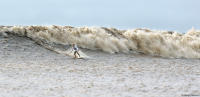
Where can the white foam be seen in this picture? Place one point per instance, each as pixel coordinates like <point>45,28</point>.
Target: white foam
<point>159,43</point>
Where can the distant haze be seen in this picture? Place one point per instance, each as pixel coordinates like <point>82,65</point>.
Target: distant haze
<point>178,15</point>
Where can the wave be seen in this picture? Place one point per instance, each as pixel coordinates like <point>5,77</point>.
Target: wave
<point>151,42</point>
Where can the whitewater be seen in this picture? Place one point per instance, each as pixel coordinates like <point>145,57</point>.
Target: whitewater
<point>35,62</point>
<point>169,44</point>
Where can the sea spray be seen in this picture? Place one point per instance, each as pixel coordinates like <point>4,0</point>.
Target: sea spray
<point>151,42</point>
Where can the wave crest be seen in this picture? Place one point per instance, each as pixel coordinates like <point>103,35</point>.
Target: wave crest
<point>152,42</point>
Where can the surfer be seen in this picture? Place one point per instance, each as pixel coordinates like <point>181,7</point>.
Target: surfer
<point>75,48</point>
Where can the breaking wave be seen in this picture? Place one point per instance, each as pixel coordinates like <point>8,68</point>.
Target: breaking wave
<point>158,43</point>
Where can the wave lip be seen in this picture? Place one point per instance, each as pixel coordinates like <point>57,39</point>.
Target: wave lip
<point>152,42</point>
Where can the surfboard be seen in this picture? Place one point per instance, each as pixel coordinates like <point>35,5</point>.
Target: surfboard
<point>79,58</point>
<point>83,56</point>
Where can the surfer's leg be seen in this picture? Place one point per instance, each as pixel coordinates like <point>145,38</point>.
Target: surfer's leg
<point>78,54</point>
<point>75,54</point>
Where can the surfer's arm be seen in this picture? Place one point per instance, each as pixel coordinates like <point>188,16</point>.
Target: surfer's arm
<point>71,50</point>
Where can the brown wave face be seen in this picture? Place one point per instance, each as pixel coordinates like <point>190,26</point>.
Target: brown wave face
<point>159,43</point>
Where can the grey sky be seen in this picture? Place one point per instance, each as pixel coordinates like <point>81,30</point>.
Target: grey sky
<point>178,15</point>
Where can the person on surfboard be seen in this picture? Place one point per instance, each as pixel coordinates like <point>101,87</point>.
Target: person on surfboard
<point>75,48</point>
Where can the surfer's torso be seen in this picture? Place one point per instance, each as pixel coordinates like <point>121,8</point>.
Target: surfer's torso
<point>75,47</point>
